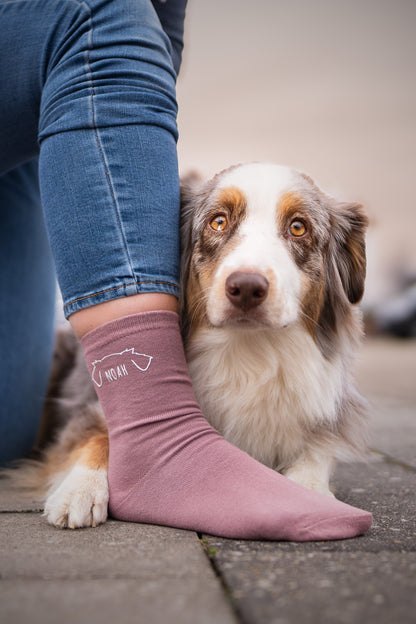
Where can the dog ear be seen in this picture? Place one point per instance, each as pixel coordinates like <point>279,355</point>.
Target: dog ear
<point>190,186</point>
<point>345,268</point>
<point>349,224</point>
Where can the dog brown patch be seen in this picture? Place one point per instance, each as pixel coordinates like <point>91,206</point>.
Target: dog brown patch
<point>195,300</point>
<point>229,202</point>
<point>312,300</point>
<point>290,205</point>
<point>90,451</point>
<point>294,207</point>
<point>307,254</point>
<point>209,248</point>
<point>94,452</point>
<point>201,274</point>
<point>233,199</point>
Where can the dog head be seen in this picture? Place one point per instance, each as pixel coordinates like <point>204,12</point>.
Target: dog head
<point>263,246</point>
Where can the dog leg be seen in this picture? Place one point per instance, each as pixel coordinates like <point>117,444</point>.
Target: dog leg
<point>79,496</point>
<point>312,471</point>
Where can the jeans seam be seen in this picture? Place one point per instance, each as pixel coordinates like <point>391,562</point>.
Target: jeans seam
<point>101,150</point>
<point>101,292</point>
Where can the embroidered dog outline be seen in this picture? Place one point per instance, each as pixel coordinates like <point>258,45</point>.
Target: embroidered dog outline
<point>118,369</point>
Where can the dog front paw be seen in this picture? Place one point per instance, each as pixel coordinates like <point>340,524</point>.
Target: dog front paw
<point>309,481</point>
<point>81,499</point>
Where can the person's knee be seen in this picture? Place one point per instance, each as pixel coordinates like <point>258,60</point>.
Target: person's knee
<point>110,64</point>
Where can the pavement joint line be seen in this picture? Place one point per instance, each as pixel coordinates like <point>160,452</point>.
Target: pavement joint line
<point>227,591</point>
<point>393,460</point>
<point>19,511</point>
<point>76,577</point>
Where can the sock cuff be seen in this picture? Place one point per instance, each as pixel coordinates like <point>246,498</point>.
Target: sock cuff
<point>129,325</point>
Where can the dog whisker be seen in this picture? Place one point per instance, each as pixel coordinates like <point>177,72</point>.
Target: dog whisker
<point>200,305</point>
<point>309,318</point>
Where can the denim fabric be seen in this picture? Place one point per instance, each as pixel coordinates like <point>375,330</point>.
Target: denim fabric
<point>27,280</point>
<point>89,88</point>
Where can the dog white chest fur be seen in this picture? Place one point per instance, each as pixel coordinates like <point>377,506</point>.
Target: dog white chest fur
<point>282,387</point>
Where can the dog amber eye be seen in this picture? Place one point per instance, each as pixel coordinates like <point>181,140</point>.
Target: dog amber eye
<point>297,228</point>
<point>219,223</point>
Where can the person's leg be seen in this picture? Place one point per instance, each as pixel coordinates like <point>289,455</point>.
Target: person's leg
<point>27,302</point>
<point>111,196</point>
<point>35,35</point>
<point>119,175</point>
<point>116,252</point>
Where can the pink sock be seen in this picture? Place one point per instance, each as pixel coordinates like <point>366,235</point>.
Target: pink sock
<point>169,466</point>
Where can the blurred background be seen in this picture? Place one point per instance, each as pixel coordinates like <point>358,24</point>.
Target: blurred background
<point>327,86</point>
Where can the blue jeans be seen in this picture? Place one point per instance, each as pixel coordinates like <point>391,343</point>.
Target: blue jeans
<point>88,89</point>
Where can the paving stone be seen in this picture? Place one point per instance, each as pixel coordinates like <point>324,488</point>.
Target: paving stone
<point>136,573</point>
<point>12,500</point>
<point>106,601</point>
<point>386,376</point>
<point>369,579</point>
<point>393,429</point>
<point>388,491</point>
<point>386,370</point>
<point>303,587</point>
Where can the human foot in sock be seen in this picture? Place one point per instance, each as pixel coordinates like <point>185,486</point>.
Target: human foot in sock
<point>168,466</point>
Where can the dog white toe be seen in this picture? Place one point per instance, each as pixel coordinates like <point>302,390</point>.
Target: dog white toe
<point>309,481</point>
<point>80,500</point>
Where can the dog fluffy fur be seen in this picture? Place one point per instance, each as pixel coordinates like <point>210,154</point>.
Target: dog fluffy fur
<point>272,268</point>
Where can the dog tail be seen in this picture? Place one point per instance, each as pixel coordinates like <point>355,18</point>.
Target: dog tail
<point>31,477</point>
<point>28,477</point>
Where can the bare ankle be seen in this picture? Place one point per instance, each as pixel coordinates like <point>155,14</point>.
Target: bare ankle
<point>90,318</point>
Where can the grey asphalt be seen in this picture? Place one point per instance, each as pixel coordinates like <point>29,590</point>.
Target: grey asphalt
<point>123,572</point>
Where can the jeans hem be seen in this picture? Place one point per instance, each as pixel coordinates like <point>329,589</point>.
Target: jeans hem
<point>117,292</point>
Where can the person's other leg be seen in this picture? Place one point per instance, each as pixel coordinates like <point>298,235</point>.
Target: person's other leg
<point>27,302</point>
<point>27,277</point>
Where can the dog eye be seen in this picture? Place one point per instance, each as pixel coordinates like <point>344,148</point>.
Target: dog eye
<point>297,228</point>
<point>219,223</point>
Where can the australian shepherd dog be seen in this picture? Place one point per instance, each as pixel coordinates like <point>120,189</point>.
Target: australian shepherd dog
<point>272,270</point>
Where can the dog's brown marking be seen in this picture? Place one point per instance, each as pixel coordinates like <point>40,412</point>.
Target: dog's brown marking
<point>307,254</point>
<point>201,274</point>
<point>232,198</point>
<point>232,203</point>
<point>312,300</point>
<point>290,204</point>
<point>94,452</point>
<point>210,247</point>
<point>195,299</point>
<point>90,451</point>
<point>293,206</point>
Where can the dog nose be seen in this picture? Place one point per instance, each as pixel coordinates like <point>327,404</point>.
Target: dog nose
<point>246,290</point>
